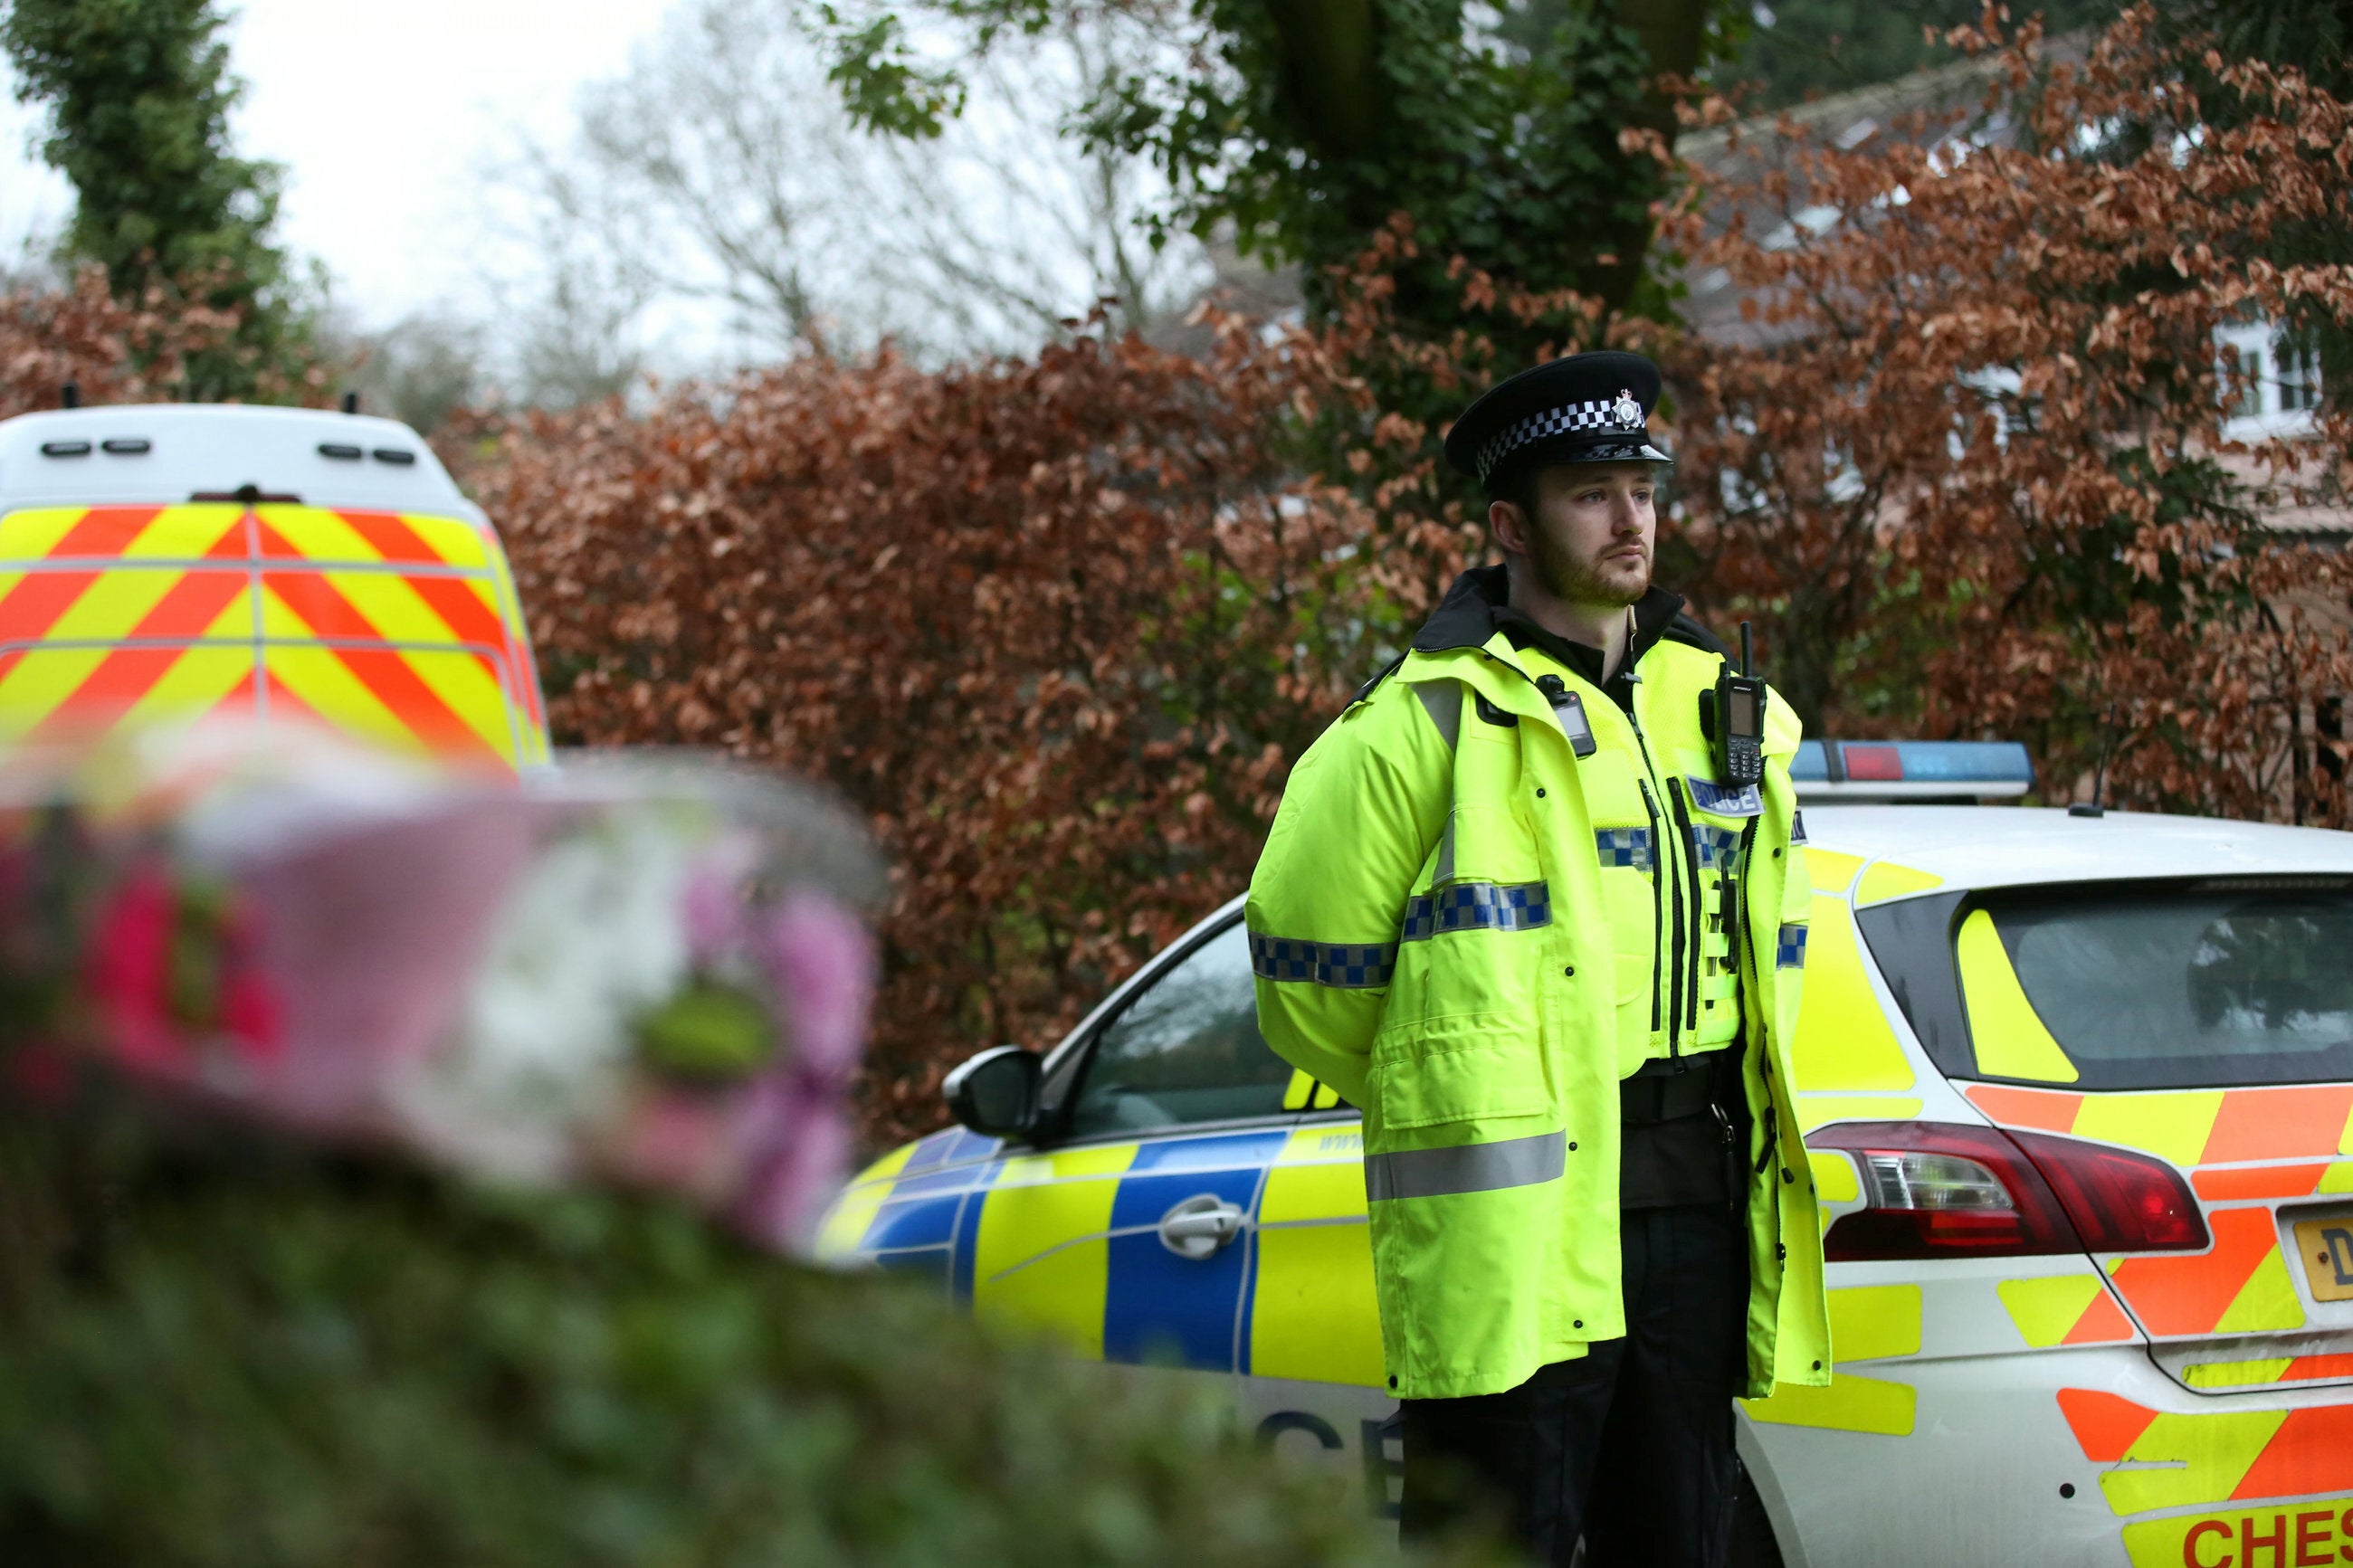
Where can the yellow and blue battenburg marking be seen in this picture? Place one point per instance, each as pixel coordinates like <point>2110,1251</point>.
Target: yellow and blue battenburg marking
<point>1624,846</point>
<point>1067,1243</point>
<point>1457,906</point>
<point>1477,906</point>
<point>1718,847</point>
<point>1352,966</point>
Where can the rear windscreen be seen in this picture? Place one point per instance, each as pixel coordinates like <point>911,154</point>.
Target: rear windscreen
<point>2191,986</point>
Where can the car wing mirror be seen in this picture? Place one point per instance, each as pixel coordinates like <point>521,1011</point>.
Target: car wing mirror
<point>996,1093</point>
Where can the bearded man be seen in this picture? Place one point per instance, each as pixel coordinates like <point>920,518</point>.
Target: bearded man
<point>1521,909</point>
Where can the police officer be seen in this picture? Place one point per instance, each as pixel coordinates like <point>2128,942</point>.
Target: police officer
<point>1520,910</point>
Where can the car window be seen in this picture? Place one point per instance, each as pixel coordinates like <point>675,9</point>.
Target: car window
<point>1186,1050</point>
<point>2178,988</point>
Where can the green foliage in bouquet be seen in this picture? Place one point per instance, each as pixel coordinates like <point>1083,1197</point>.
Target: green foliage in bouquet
<point>236,1351</point>
<point>709,1031</point>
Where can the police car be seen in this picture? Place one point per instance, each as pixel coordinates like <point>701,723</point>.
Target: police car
<point>169,563</point>
<point>2078,1094</point>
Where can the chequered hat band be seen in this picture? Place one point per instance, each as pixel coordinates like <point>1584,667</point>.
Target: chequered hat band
<point>1621,415</point>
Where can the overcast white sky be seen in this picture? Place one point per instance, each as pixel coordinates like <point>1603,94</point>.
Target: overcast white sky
<point>385,113</point>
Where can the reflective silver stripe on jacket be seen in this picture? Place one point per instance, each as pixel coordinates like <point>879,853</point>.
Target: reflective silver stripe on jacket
<point>1471,1168</point>
<point>1348,966</point>
<point>1442,700</point>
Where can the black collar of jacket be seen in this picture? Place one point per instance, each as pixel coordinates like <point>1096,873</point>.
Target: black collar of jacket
<point>1477,607</point>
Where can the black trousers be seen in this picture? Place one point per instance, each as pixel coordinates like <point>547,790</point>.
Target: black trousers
<point>1628,1446</point>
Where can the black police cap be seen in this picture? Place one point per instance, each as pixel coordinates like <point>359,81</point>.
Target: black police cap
<point>1586,408</point>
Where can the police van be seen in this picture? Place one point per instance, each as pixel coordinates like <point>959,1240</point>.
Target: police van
<point>174,563</point>
<point>2078,1095</point>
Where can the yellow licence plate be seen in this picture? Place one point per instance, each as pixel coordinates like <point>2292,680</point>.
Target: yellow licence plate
<point>2327,1248</point>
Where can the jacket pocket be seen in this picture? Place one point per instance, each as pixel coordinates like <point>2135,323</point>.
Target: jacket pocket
<point>1473,1067</point>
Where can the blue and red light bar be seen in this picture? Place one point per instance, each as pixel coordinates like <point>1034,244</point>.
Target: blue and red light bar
<point>1910,770</point>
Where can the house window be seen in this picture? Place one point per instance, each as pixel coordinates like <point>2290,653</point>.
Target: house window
<point>2299,374</point>
<point>2248,402</point>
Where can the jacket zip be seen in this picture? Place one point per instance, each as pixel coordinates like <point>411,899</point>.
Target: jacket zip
<point>1668,866</point>
<point>1658,905</point>
<point>1735,900</point>
<point>1698,915</point>
<point>1755,991</point>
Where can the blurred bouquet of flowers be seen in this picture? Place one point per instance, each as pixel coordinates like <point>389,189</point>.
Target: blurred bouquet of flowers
<point>654,974</point>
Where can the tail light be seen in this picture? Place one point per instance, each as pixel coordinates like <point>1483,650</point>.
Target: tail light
<point>2120,1201</point>
<point>1938,1189</point>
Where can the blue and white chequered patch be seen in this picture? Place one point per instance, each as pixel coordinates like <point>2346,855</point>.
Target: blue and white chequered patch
<point>1789,953</point>
<point>1624,846</point>
<point>1344,966</point>
<point>1796,827</point>
<point>1708,795</point>
<point>1477,906</point>
<point>1719,847</point>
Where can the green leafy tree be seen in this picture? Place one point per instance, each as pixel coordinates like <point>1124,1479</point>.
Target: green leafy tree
<point>137,94</point>
<point>1303,127</point>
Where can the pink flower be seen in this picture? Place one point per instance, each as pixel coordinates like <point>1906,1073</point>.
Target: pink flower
<point>804,1148</point>
<point>128,969</point>
<point>821,961</point>
<point>712,912</point>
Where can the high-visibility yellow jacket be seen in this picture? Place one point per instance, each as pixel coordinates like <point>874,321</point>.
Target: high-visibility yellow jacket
<point>1472,932</point>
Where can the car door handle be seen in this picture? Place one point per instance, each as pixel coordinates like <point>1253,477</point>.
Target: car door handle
<point>1200,1226</point>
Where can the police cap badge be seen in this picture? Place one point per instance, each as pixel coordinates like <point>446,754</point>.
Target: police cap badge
<point>1586,408</point>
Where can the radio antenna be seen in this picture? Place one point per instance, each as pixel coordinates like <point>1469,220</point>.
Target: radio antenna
<point>1748,652</point>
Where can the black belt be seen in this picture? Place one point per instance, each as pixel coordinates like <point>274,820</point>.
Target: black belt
<point>1665,1095</point>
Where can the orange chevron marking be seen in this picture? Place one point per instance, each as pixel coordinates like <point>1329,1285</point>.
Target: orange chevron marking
<point>191,605</point>
<point>230,546</point>
<point>2102,1322</point>
<point>2174,1294</point>
<point>2106,1426</point>
<point>127,674</point>
<point>2307,1368</point>
<point>105,531</point>
<point>460,609</point>
<point>2267,1123</point>
<point>2034,1108</point>
<point>421,691</point>
<point>36,603</point>
<point>326,612</point>
<point>392,537</point>
<point>2312,1452</point>
<point>284,706</point>
<point>271,545</point>
<point>108,691</point>
<point>282,700</point>
<point>2258,1182</point>
<point>382,670</point>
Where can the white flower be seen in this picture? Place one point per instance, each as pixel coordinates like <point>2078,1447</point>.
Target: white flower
<point>593,938</point>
